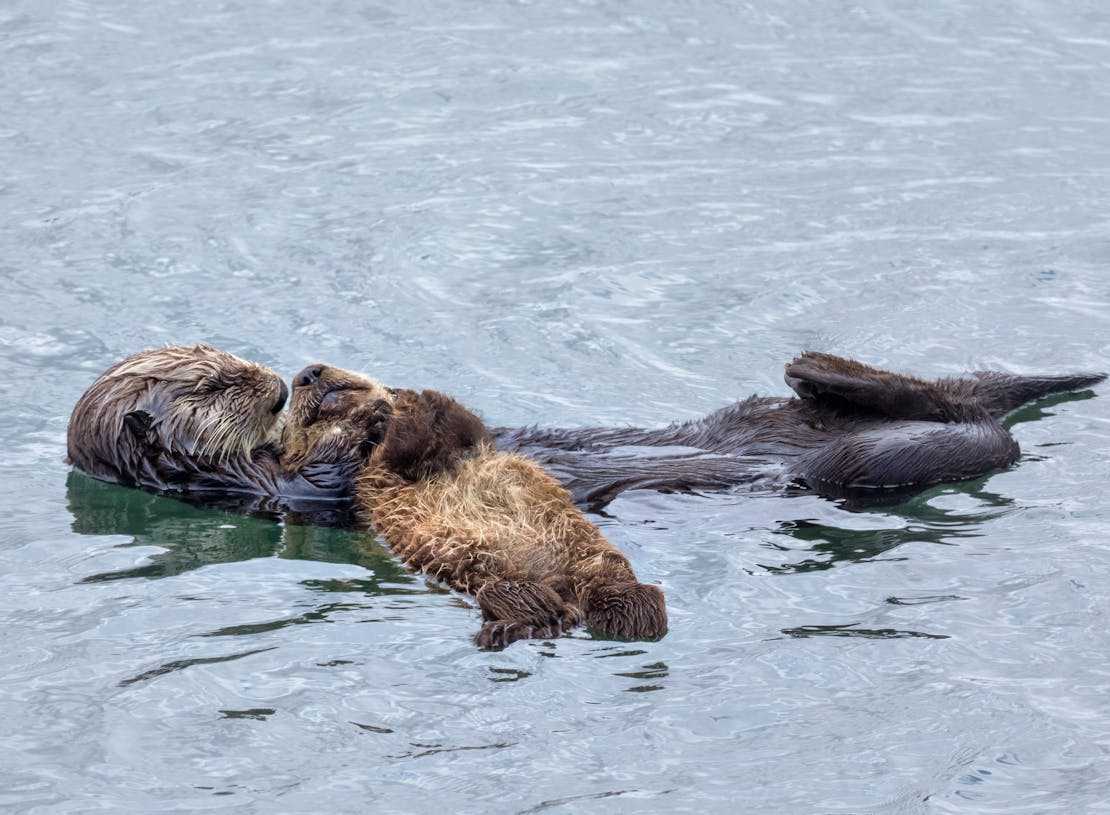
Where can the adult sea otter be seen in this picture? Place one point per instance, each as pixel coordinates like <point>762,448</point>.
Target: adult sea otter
<point>197,420</point>
<point>852,430</point>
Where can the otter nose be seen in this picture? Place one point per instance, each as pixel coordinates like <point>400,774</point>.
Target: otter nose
<point>283,394</point>
<point>307,376</point>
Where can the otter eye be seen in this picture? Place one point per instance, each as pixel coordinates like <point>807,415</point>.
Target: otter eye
<point>331,397</point>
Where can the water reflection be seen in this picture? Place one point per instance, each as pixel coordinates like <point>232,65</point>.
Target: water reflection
<point>422,750</point>
<point>1042,407</point>
<point>192,536</point>
<point>371,728</point>
<point>181,664</point>
<point>852,630</point>
<point>387,575</point>
<point>827,545</point>
<point>653,670</point>
<point>508,674</point>
<point>320,614</point>
<point>259,713</point>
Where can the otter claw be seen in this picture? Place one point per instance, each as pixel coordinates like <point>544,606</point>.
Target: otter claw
<point>498,634</point>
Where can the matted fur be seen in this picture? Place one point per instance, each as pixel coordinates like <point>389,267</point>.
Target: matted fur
<point>336,419</point>
<point>855,428</point>
<point>196,420</point>
<point>490,524</point>
<point>856,431</point>
<point>160,416</point>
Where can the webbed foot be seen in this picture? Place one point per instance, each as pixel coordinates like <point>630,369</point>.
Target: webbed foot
<point>824,377</point>
<point>630,610</point>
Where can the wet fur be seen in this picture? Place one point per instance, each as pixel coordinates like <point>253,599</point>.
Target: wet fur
<point>173,417</point>
<point>855,430</point>
<point>198,421</point>
<point>334,423</point>
<point>493,525</point>
<point>193,419</point>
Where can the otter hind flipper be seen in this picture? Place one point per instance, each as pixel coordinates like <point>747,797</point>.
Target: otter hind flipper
<point>1000,393</point>
<point>825,377</point>
<point>628,610</point>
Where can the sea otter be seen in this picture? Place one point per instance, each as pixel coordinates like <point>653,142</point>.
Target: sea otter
<point>491,524</point>
<point>853,430</point>
<point>196,420</point>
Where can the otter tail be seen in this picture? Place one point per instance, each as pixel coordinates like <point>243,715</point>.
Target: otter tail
<point>627,610</point>
<point>1000,393</point>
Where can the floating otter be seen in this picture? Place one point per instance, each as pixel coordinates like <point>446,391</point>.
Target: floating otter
<point>196,420</point>
<point>853,431</point>
<point>493,525</point>
<point>158,415</point>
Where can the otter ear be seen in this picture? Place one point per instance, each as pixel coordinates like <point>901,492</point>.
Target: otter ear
<point>427,433</point>
<point>138,422</point>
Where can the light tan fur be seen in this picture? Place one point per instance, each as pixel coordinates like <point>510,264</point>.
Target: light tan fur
<point>495,517</point>
<point>494,525</point>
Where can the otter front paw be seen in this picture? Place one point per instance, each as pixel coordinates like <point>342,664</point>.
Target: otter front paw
<point>522,609</point>
<point>498,634</point>
<point>372,421</point>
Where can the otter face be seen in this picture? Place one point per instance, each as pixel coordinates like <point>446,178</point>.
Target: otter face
<point>171,410</point>
<point>335,417</point>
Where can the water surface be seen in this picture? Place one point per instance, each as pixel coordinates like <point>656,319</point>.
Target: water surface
<point>588,212</point>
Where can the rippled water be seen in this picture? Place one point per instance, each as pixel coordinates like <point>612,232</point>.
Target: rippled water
<point>585,212</point>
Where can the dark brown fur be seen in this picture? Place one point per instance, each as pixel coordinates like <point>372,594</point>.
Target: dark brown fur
<point>856,430</point>
<point>427,435</point>
<point>492,525</point>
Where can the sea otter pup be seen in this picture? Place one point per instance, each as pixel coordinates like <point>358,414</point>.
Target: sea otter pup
<point>855,431</point>
<point>194,419</point>
<point>490,524</point>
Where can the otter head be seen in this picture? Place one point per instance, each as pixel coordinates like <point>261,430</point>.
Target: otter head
<point>336,418</point>
<point>344,419</point>
<point>429,434</point>
<point>160,415</point>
